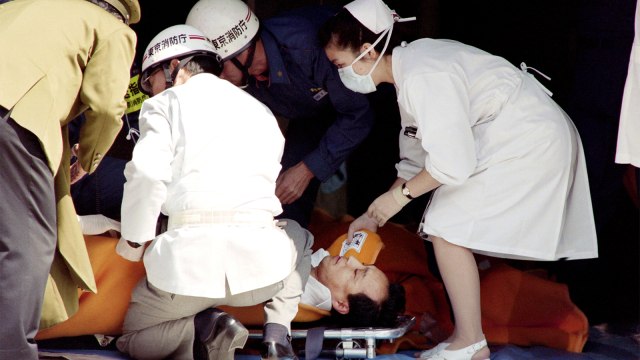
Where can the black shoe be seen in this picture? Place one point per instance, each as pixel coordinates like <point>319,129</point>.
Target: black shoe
<point>272,350</point>
<point>218,334</point>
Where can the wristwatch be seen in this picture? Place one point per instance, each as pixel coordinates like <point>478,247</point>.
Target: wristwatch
<point>406,192</point>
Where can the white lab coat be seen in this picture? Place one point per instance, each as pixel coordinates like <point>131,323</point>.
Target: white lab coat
<point>510,160</point>
<point>207,145</point>
<point>628,150</point>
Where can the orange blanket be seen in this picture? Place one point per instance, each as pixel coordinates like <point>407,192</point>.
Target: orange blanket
<point>103,312</point>
<point>525,309</point>
<point>517,307</point>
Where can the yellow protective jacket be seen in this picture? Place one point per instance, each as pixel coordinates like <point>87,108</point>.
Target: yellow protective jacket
<point>63,58</point>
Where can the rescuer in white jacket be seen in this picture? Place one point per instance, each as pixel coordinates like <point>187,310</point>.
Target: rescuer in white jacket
<point>208,157</point>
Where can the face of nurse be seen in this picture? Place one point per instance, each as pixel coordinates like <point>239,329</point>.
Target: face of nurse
<point>360,71</point>
<point>347,276</point>
<point>350,46</point>
<point>342,58</point>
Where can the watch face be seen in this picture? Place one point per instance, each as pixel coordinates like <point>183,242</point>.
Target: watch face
<point>405,191</point>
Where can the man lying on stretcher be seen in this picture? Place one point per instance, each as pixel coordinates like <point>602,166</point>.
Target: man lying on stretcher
<point>356,294</point>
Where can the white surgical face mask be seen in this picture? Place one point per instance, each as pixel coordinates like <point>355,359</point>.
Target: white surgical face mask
<point>363,83</point>
<point>355,82</point>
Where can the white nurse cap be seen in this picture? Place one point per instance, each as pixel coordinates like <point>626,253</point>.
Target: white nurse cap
<point>375,15</point>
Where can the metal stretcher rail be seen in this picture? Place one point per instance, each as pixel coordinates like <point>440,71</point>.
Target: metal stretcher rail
<point>351,345</point>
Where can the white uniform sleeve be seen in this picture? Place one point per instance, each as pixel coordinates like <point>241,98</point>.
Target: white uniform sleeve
<point>440,105</point>
<point>148,173</point>
<point>412,154</point>
<point>128,252</point>
<point>97,224</point>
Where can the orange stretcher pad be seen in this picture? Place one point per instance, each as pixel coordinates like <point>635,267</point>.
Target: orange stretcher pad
<point>103,313</point>
<point>518,307</point>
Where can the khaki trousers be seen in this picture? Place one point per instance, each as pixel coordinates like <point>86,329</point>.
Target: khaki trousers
<point>160,325</point>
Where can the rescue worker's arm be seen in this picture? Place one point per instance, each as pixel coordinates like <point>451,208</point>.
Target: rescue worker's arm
<point>149,172</point>
<point>104,86</point>
<point>353,121</point>
<point>293,182</point>
<point>130,250</point>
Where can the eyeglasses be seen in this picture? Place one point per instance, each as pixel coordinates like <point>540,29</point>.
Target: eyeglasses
<point>145,81</point>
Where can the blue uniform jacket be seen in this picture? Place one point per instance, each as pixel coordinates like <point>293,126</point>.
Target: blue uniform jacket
<point>304,84</point>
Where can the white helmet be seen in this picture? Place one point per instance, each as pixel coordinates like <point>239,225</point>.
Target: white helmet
<point>177,41</point>
<point>229,24</point>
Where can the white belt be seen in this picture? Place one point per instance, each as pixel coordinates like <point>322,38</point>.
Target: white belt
<point>210,217</point>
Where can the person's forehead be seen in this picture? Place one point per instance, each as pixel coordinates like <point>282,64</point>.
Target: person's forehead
<point>335,53</point>
<point>372,278</point>
<point>375,274</point>
<point>373,288</point>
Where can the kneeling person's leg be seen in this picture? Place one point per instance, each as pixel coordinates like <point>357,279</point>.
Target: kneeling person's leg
<point>159,324</point>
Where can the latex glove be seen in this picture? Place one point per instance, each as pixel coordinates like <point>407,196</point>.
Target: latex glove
<point>363,222</point>
<point>293,182</point>
<point>124,249</point>
<point>387,205</point>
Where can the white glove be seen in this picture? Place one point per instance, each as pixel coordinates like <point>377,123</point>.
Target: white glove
<point>124,249</point>
<point>97,224</point>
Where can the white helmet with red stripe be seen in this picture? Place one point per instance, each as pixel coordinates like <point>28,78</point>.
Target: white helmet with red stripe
<point>229,24</point>
<point>173,42</point>
<point>176,42</point>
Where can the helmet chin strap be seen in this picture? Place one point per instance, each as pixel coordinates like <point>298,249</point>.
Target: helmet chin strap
<point>170,76</point>
<point>168,80</point>
<point>244,68</point>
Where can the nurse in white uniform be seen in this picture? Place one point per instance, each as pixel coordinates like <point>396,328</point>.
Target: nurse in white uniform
<point>505,161</point>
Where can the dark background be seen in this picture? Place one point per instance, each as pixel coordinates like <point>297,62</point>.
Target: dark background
<point>584,47</point>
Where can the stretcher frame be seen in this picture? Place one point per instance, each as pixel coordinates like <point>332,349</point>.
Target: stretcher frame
<point>353,343</point>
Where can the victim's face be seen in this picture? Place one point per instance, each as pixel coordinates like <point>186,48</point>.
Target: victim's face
<point>347,276</point>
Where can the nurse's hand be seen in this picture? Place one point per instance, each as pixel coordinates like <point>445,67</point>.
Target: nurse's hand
<point>363,222</point>
<point>387,205</point>
<point>293,182</point>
